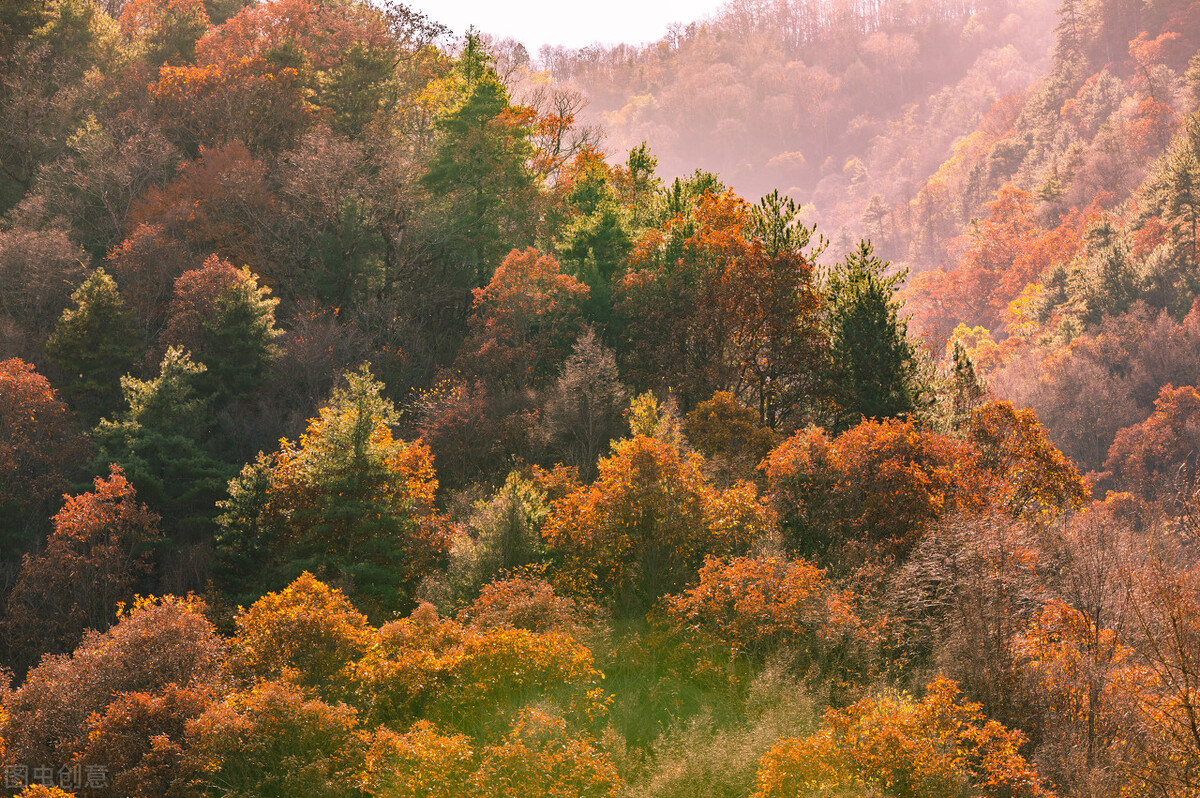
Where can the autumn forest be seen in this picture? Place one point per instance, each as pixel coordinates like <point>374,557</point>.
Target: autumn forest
<point>803,404</point>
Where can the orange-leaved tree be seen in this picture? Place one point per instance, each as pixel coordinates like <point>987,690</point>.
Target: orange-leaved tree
<point>307,631</point>
<point>644,527</point>
<point>276,739</point>
<point>871,493</point>
<point>1158,456</point>
<point>122,699</point>
<point>38,450</point>
<point>760,605</point>
<point>524,320</point>
<point>96,557</point>
<point>1031,475</point>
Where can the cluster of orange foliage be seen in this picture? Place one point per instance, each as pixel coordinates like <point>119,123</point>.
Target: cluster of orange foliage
<point>877,489</point>
<point>644,527</point>
<point>525,320</point>
<point>890,744</point>
<point>756,605</point>
<point>327,699</point>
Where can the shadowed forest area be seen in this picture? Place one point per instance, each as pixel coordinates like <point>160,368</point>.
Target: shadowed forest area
<point>803,404</point>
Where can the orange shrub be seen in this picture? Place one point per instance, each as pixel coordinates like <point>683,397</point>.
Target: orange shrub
<point>308,629</point>
<point>435,668</point>
<point>540,755</point>
<point>758,604</point>
<point>523,602</point>
<point>277,740</point>
<point>889,745</point>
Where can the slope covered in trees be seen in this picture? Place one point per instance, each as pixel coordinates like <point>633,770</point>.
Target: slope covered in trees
<point>367,430</point>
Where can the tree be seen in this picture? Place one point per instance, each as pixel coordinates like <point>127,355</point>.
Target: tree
<point>227,321</point>
<point>160,660</point>
<point>97,556</point>
<point>539,755</point>
<point>764,605</point>
<point>307,632</point>
<point>477,681</point>
<point>875,368</point>
<point>1087,685</point>
<point>39,450</point>
<point>348,501</point>
<point>501,534</point>
<point>37,270</point>
<point>523,321</point>
<point>1035,479</point>
<point>160,441</point>
<point>707,305</point>
<point>275,740</point>
<point>525,601</point>
<point>479,175</point>
<point>93,344</point>
<point>643,528</point>
<point>967,390</point>
<point>728,433</point>
<point>1156,458</point>
<point>870,494</point>
<point>1164,595</point>
<point>595,232</point>
<point>167,30</point>
<point>583,412</point>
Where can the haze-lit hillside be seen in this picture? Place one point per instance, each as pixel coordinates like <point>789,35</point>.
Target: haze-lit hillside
<point>830,103</point>
<point>385,414</point>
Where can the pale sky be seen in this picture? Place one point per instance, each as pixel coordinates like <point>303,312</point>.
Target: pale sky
<point>572,24</point>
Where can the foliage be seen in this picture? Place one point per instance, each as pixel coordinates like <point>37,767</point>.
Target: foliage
<point>895,746</point>
<point>524,319</point>
<point>525,601</point>
<point>479,175</point>
<point>306,632</point>
<point>502,534</point>
<point>760,605</point>
<point>869,494</point>
<point>583,411</point>
<point>475,680</point>
<point>140,681</point>
<point>1035,477</point>
<point>538,755</point>
<point>275,740</point>
<point>875,365</point>
<point>97,556</point>
<point>347,501</point>
<point>160,441</point>
<point>643,528</point>
<point>93,343</point>
<point>728,433</point>
<point>223,317</point>
<point>706,307</point>
<point>1156,457</point>
<point>38,449</point>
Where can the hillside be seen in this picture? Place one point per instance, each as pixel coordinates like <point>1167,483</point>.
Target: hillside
<point>384,414</point>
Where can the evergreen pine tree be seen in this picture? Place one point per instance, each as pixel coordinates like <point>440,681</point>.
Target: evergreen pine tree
<point>159,443</point>
<point>92,345</point>
<point>874,366</point>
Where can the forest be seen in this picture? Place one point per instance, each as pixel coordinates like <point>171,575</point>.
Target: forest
<point>801,405</point>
